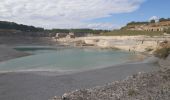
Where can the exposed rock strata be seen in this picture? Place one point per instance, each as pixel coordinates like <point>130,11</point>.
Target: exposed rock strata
<point>128,43</point>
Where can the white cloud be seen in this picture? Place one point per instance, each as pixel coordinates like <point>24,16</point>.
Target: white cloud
<point>107,26</point>
<point>154,18</point>
<point>64,13</point>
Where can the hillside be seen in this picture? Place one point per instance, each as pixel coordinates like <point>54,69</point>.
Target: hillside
<point>10,29</point>
<point>15,29</point>
<point>163,25</point>
<point>20,27</point>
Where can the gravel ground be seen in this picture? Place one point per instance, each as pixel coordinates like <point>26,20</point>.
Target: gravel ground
<point>142,86</point>
<point>44,85</point>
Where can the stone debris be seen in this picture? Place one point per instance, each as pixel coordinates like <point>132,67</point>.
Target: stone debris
<point>142,86</point>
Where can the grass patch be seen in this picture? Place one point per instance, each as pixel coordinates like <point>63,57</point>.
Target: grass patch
<point>131,33</point>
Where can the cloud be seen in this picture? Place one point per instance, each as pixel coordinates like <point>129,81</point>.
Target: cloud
<point>107,26</point>
<point>154,18</point>
<point>64,13</point>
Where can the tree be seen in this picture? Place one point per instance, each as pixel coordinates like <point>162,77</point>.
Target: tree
<point>152,21</point>
<point>164,19</point>
<point>21,27</point>
<point>82,31</point>
<point>137,23</point>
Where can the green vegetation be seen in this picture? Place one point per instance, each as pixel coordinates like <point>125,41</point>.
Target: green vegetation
<point>164,50</point>
<point>167,30</point>
<point>58,30</point>
<point>164,19</point>
<point>4,25</point>
<point>131,33</point>
<point>133,23</point>
<point>14,26</point>
<point>11,29</point>
<point>148,49</point>
<point>21,27</point>
<point>152,21</point>
<point>162,53</point>
<point>77,31</point>
<point>137,23</point>
<point>146,23</point>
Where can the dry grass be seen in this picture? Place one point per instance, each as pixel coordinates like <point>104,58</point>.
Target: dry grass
<point>131,33</point>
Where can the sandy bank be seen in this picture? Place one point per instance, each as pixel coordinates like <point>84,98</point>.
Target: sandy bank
<point>7,53</point>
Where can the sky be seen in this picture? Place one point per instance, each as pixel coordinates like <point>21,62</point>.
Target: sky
<point>95,14</point>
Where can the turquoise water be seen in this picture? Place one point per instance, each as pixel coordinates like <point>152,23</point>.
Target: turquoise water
<point>65,59</point>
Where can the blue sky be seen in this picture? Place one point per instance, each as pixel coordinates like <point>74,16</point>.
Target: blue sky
<point>159,8</point>
<point>95,14</point>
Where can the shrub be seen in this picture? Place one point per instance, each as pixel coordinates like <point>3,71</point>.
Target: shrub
<point>148,49</point>
<point>162,53</point>
<point>167,30</point>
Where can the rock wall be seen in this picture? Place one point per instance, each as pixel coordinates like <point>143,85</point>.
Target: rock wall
<point>129,43</point>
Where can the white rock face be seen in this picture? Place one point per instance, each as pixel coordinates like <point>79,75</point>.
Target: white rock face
<point>90,41</point>
<point>129,43</point>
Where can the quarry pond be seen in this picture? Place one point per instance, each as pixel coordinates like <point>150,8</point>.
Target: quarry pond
<point>53,58</point>
<point>56,69</point>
